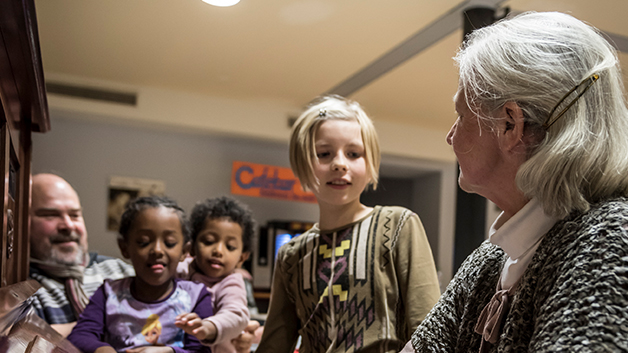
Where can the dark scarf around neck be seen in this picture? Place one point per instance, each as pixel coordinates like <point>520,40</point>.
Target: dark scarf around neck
<point>71,276</point>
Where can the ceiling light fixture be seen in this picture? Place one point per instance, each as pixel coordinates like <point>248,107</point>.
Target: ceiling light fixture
<point>222,3</point>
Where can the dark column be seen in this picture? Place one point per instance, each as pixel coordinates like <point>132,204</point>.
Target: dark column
<point>477,17</point>
<point>470,208</point>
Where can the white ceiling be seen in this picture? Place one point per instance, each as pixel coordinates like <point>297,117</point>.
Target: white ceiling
<point>282,50</point>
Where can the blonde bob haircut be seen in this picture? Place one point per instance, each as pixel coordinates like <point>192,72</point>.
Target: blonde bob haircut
<point>534,60</point>
<point>330,107</point>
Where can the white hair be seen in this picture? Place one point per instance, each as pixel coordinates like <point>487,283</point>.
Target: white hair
<point>534,59</point>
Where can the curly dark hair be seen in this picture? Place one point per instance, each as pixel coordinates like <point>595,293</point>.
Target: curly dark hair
<point>223,207</point>
<point>139,204</point>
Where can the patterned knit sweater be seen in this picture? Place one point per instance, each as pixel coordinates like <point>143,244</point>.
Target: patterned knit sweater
<point>363,287</point>
<point>572,298</point>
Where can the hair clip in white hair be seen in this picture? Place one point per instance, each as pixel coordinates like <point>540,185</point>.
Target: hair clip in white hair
<point>583,86</point>
<point>322,113</point>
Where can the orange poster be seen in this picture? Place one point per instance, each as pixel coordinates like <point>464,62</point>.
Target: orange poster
<point>260,180</point>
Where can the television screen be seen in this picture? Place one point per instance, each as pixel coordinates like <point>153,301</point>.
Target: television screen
<point>281,239</point>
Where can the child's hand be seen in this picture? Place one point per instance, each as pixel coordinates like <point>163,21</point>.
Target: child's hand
<point>251,334</point>
<point>105,349</point>
<point>192,324</point>
<point>150,349</point>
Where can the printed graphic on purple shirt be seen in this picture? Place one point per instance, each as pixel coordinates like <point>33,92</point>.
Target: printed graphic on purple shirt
<point>131,323</point>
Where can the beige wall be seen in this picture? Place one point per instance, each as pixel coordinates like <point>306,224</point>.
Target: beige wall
<point>260,119</point>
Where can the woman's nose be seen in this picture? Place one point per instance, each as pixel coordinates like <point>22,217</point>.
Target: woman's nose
<point>450,134</point>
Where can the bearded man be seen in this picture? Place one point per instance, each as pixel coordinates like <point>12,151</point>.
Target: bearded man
<point>59,259</point>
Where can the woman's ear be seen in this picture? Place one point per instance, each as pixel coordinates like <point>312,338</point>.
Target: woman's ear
<point>511,126</point>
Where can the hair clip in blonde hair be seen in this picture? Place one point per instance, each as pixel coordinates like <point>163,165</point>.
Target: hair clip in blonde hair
<point>322,113</point>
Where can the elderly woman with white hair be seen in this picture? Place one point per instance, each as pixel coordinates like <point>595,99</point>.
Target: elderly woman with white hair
<point>542,131</point>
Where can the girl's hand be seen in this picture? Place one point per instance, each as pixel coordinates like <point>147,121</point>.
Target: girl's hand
<point>148,349</point>
<point>192,324</point>
<point>251,334</point>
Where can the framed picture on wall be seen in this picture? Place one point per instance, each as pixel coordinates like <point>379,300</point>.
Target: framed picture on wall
<point>121,190</point>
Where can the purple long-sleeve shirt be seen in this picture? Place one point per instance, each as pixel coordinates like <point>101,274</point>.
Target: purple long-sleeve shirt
<point>115,318</point>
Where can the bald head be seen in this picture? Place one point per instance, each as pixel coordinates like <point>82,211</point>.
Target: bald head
<point>58,232</point>
<point>44,184</point>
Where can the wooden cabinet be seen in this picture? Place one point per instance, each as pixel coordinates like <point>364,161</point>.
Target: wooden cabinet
<point>24,110</point>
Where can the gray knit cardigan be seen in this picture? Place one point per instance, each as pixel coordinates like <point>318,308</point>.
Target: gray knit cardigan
<point>572,298</point>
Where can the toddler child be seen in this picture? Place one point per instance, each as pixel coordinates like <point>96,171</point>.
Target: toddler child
<point>362,279</point>
<point>222,229</point>
<point>137,314</point>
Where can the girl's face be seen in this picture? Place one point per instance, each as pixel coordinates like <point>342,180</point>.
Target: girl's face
<point>218,247</point>
<point>340,166</point>
<point>155,245</point>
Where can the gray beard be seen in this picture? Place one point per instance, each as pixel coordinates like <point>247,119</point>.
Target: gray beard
<point>62,258</point>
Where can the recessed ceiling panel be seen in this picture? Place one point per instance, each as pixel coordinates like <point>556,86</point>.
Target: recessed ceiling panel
<point>289,50</point>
